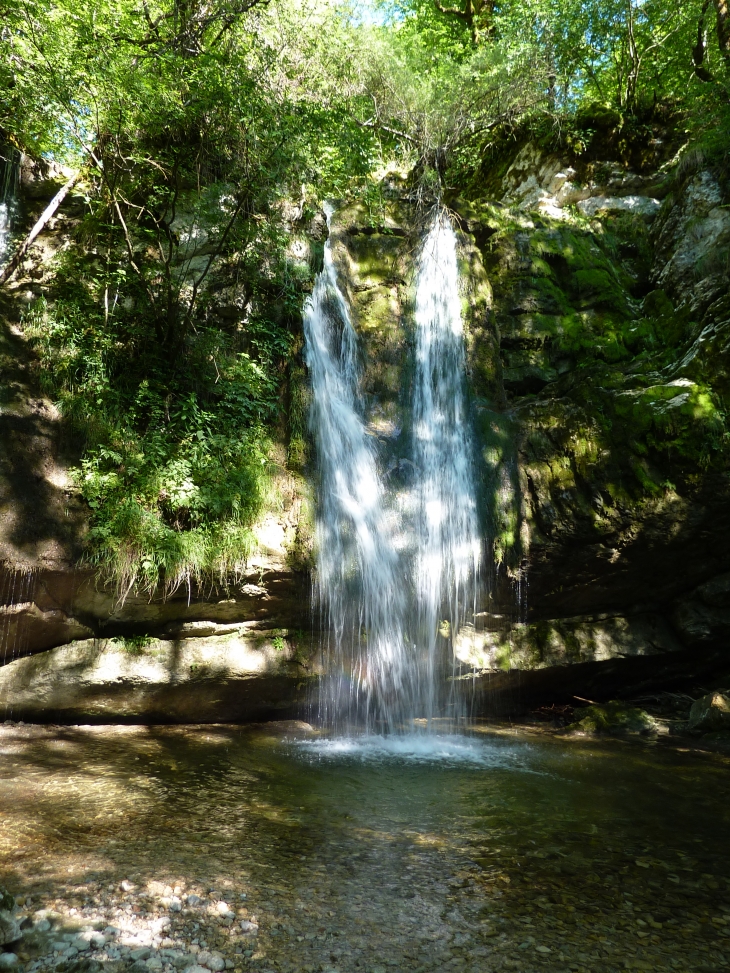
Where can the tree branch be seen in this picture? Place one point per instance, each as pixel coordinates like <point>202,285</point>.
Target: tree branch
<point>374,124</point>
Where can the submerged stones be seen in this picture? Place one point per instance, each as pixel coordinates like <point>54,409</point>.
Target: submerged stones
<point>355,866</point>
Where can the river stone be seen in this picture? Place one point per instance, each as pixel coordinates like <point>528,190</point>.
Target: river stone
<point>214,961</point>
<point>9,928</point>
<point>711,712</point>
<point>184,961</point>
<point>8,961</point>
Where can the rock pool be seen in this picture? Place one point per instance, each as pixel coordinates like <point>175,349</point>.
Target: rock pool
<point>156,849</point>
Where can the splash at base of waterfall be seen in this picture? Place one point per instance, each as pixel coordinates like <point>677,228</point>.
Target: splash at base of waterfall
<point>444,750</point>
<point>391,610</point>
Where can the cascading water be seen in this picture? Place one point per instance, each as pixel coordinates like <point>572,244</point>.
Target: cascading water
<point>9,181</point>
<point>448,548</point>
<point>390,610</point>
<point>359,581</point>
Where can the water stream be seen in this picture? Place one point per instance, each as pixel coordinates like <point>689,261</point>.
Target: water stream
<point>390,609</point>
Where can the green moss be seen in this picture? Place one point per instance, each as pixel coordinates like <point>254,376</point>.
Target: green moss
<point>500,488</point>
<point>613,718</point>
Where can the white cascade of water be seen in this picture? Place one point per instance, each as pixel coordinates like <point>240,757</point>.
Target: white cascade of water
<point>9,181</point>
<point>391,610</point>
<point>359,580</point>
<point>449,547</point>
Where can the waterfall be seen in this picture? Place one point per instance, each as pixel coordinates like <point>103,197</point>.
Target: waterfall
<point>448,551</point>
<point>359,582</point>
<point>9,182</point>
<point>391,610</point>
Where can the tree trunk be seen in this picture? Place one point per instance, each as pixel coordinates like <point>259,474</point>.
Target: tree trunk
<point>723,27</point>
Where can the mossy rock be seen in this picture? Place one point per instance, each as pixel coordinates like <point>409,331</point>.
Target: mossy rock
<point>614,718</point>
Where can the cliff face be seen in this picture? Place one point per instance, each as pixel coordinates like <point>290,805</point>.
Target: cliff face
<point>596,316</point>
<point>597,322</point>
<point>613,324</point>
<point>50,597</point>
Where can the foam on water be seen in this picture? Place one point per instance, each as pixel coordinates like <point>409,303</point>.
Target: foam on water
<point>417,748</point>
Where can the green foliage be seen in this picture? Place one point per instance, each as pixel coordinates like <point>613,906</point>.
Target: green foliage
<point>7,901</point>
<point>135,645</point>
<point>176,466</point>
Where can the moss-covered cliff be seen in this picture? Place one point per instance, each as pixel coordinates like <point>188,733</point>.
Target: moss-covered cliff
<point>596,320</point>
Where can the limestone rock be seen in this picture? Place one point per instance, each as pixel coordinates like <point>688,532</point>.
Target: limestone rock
<point>26,628</point>
<point>716,592</point>
<point>544,183</point>
<point>192,681</point>
<point>40,179</point>
<point>698,623</point>
<point>711,712</point>
<point>690,231</point>
<point>497,644</point>
<point>642,205</point>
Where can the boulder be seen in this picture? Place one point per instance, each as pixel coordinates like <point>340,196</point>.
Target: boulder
<point>614,718</point>
<point>40,179</point>
<point>711,712</point>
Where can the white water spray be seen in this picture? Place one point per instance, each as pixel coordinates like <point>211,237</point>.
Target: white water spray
<point>390,611</point>
<point>449,548</point>
<point>359,580</point>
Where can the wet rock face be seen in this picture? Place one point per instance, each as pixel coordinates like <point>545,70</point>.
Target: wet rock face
<point>603,467</point>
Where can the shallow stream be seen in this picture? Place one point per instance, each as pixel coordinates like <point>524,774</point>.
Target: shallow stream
<point>155,848</point>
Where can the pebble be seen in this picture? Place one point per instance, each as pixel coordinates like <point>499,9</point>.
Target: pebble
<point>8,961</point>
<point>214,961</point>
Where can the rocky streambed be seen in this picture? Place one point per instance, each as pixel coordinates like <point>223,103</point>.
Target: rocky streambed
<point>273,849</point>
